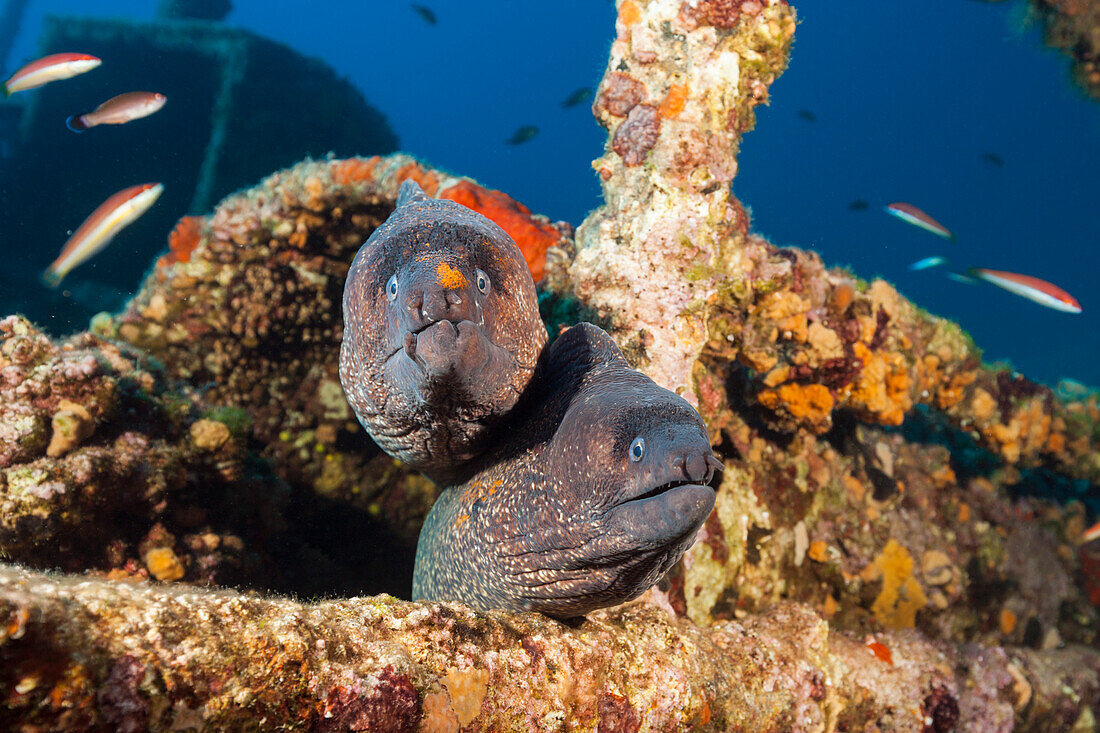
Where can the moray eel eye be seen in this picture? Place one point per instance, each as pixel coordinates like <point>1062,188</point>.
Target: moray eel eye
<point>637,449</point>
<point>483,282</point>
<point>391,287</point>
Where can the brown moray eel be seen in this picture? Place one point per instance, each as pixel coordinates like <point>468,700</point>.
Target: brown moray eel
<point>441,332</point>
<point>597,488</point>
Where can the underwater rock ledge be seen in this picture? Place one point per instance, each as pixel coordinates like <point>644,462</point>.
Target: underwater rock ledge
<point>78,654</point>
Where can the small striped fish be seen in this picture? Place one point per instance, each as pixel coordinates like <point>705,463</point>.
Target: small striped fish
<point>49,68</point>
<point>1032,288</point>
<point>916,217</point>
<point>97,231</point>
<point>119,110</point>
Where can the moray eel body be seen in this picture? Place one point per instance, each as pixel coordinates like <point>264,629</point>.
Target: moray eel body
<point>441,333</point>
<point>599,488</point>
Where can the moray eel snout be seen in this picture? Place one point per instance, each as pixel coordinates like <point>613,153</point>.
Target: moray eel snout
<point>441,333</point>
<point>671,499</point>
<point>442,330</point>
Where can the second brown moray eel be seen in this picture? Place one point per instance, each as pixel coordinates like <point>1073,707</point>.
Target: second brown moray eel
<point>441,333</point>
<point>598,485</point>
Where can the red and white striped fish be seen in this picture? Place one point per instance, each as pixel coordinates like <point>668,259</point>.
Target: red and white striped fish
<point>916,217</point>
<point>49,68</point>
<point>119,110</point>
<point>97,231</point>
<point>1032,288</point>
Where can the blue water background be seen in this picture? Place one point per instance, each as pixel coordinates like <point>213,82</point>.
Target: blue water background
<point>907,97</point>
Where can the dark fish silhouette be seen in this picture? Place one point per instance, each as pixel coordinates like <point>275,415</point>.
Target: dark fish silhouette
<point>859,205</point>
<point>808,115</point>
<point>578,96</point>
<point>993,159</point>
<point>522,135</point>
<point>424,12</point>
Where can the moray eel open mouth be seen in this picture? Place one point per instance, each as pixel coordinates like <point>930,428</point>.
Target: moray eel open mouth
<point>701,476</point>
<point>411,339</point>
<point>664,488</point>
<point>446,350</point>
<point>657,516</point>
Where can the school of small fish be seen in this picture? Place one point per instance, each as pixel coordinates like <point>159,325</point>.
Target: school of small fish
<point>1026,286</point>
<point>124,207</point>
<point>120,209</point>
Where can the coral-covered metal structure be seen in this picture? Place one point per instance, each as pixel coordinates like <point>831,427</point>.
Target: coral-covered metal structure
<point>1073,26</point>
<point>873,558</point>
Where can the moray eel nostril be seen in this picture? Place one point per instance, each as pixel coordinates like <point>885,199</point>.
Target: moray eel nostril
<point>443,305</point>
<point>697,469</point>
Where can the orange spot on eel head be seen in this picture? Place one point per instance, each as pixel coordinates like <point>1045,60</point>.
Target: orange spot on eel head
<point>450,278</point>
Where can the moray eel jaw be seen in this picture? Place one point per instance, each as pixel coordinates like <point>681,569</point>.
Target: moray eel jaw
<point>628,549</point>
<point>654,521</point>
<point>667,502</point>
<point>454,350</point>
<point>628,521</point>
<point>628,486</point>
<point>454,372</point>
<point>453,382</point>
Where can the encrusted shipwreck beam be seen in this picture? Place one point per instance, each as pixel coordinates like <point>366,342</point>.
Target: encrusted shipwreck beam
<point>679,90</point>
<point>669,263</point>
<point>80,654</point>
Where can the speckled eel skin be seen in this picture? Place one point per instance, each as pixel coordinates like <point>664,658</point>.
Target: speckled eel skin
<point>594,491</point>
<point>441,333</point>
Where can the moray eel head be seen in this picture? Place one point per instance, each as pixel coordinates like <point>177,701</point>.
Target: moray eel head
<point>441,332</point>
<point>632,470</point>
<point>644,462</point>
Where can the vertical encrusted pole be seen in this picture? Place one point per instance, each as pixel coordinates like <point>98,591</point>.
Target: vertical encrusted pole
<point>681,83</point>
